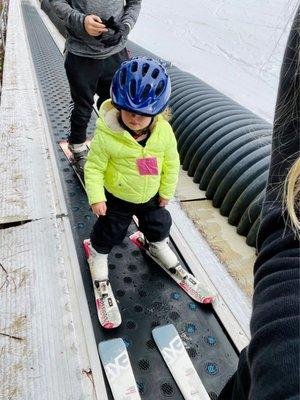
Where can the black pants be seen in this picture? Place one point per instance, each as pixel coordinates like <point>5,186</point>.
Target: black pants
<point>238,386</point>
<point>86,77</point>
<point>109,230</point>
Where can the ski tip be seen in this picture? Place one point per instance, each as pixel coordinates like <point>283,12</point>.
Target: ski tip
<point>86,247</point>
<point>64,142</point>
<point>110,325</point>
<point>136,234</point>
<point>64,146</point>
<point>207,300</point>
<point>135,238</point>
<point>163,328</point>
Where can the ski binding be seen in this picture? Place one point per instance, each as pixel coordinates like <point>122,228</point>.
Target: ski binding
<point>182,277</point>
<point>107,307</point>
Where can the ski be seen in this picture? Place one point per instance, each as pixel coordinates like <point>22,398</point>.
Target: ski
<point>184,279</point>
<point>179,363</point>
<point>64,146</point>
<point>118,369</point>
<point>107,307</point>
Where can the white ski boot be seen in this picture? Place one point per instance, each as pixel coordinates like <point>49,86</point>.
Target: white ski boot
<point>166,256</point>
<point>162,251</point>
<point>99,271</point>
<point>107,307</point>
<point>79,152</point>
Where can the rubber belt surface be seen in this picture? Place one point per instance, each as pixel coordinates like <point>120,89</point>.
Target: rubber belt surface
<point>147,296</point>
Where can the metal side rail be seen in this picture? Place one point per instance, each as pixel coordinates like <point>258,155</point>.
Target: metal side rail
<point>147,296</point>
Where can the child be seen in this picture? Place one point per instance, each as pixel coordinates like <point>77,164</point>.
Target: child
<point>133,164</point>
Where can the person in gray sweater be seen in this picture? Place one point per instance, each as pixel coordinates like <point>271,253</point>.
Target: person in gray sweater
<point>95,48</point>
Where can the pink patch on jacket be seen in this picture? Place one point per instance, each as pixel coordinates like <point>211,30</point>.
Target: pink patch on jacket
<point>147,166</point>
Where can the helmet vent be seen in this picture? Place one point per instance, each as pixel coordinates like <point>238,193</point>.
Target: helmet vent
<point>142,86</point>
<point>145,92</point>
<point>145,69</point>
<point>134,66</point>
<point>122,77</point>
<point>132,88</point>
<point>155,73</point>
<point>159,88</point>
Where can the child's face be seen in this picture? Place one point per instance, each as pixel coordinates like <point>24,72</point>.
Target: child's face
<point>135,122</point>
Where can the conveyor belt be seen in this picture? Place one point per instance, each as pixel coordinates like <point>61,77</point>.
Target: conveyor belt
<point>147,296</point>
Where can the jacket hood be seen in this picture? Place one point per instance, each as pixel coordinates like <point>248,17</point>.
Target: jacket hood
<point>109,115</point>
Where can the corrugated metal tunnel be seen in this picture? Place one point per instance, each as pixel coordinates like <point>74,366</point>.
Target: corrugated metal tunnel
<point>222,145</point>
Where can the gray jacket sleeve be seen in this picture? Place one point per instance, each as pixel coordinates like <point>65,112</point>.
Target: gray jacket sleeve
<point>71,18</point>
<point>131,12</point>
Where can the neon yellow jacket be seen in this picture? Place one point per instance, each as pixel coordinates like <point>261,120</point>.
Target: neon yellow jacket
<point>111,161</point>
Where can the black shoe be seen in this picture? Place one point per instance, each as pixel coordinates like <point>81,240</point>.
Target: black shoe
<point>79,157</point>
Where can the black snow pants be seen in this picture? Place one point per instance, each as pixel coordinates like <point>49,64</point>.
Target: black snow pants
<point>238,386</point>
<point>87,77</point>
<point>109,230</point>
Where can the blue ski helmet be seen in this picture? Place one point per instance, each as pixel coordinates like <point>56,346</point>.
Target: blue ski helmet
<point>142,86</point>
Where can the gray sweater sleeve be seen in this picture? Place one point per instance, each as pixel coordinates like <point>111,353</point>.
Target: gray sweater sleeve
<point>71,18</point>
<point>131,12</point>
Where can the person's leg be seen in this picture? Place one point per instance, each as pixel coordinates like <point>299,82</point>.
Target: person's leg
<point>155,223</point>
<point>109,67</point>
<point>110,229</point>
<point>103,91</point>
<point>83,74</point>
<point>238,386</point>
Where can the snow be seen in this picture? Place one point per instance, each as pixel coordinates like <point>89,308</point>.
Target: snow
<point>234,45</point>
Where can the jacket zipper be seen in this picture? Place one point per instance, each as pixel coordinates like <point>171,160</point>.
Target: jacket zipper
<point>146,178</point>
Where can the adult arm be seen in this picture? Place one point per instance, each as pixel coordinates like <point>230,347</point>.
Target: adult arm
<point>71,18</point>
<point>273,353</point>
<point>131,12</point>
<point>269,367</point>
